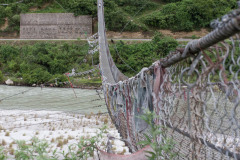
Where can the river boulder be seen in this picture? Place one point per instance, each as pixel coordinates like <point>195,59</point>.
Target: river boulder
<point>9,82</point>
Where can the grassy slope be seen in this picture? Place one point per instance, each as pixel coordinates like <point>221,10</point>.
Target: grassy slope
<point>137,18</point>
<point>50,8</point>
<point>55,7</point>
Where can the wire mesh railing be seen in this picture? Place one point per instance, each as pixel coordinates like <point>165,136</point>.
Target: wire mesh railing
<point>194,91</point>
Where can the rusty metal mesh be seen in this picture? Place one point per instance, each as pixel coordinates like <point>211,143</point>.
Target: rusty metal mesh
<point>194,92</point>
<point>196,101</point>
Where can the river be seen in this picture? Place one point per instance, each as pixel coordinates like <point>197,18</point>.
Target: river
<point>51,99</point>
<point>53,115</point>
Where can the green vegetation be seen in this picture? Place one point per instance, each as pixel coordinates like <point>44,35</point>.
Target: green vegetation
<point>188,15</point>
<point>37,149</point>
<point>1,77</point>
<point>3,155</point>
<point>30,63</point>
<point>12,12</point>
<point>169,1</point>
<point>117,12</point>
<point>142,55</point>
<point>159,150</point>
<point>43,62</point>
<point>87,146</point>
<point>130,15</point>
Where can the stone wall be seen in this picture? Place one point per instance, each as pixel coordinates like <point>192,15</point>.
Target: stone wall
<point>54,26</point>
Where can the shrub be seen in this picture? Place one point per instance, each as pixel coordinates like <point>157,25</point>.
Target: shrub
<point>177,15</point>
<point>1,77</point>
<point>3,154</point>
<point>13,66</point>
<point>38,76</point>
<point>119,22</point>
<point>8,11</point>
<point>187,15</point>
<point>133,6</point>
<point>160,150</point>
<point>38,150</point>
<point>116,19</point>
<point>15,21</point>
<point>141,54</point>
<point>8,53</point>
<point>41,62</point>
<point>164,44</point>
<point>59,77</point>
<point>2,12</point>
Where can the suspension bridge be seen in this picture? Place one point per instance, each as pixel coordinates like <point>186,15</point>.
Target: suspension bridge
<point>194,92</point>
<point>197,103</point>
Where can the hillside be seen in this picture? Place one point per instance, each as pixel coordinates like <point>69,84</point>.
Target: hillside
<point>36,62</point>
<point>144,16</point>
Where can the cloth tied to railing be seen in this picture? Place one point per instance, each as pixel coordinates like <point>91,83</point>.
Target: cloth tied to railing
<point>158,80</point>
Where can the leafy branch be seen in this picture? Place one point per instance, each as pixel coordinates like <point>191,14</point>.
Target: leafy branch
<point>162,149</point>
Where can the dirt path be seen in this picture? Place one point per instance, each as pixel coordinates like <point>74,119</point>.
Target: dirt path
<point>141,35</point>
<point>135,35</point>
<point>193,34</point>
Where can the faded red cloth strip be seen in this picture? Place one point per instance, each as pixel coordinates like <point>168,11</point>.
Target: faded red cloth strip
<point>159,73</point>
<point>139,155</point>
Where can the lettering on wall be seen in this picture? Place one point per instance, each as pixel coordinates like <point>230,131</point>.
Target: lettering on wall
<point>54,26</point>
